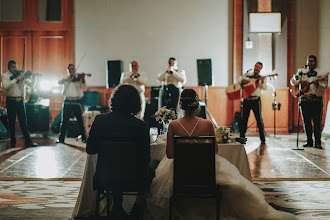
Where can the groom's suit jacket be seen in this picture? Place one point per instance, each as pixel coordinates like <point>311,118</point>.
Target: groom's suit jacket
<point>116,125</point>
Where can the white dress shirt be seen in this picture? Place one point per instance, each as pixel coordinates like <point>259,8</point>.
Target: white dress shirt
<point>261,86</point>
<point>14,89</point>
<point>139,83</point>
<point>177,78</point>
<point>73,89</point>
<point>302,74</point>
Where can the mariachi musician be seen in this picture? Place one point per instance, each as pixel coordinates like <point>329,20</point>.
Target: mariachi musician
<point>74,86</point>
<point>313,85</point>
<point>137,79</point>
<point>14,84</point>
<point>172,80</point>
<point>253,101</point>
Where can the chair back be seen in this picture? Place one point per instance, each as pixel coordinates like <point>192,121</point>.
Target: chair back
<point>194,166</point>
<point>117,166</point>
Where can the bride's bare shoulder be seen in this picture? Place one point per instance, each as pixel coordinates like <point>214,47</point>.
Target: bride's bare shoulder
<point>205,121</point>
<point>174,122</point>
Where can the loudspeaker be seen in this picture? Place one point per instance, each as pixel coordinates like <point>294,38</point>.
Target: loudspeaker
<point>73,130</point>
<point>204,70</point>
<point>37,117</point>
<point>4,134</point>
<point>115,68</point>
<point>91,99</point>
<point>56,125</point>
<point>154,95</point>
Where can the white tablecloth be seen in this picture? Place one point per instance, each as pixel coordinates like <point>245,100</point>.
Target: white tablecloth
<point>85,204</point>
<point>326,128</point>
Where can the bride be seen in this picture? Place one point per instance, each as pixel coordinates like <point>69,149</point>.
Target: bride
<point>241,198</point>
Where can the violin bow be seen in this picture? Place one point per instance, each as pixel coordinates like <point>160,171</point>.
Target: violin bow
<point>81,60</point>
<point>23,58</point>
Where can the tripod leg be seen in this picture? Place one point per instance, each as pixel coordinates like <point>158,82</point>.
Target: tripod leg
<point>212,119</point>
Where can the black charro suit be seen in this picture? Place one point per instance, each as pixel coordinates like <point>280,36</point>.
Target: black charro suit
<point>116,125</point>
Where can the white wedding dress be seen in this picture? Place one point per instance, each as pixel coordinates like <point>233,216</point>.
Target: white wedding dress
<point>241,198</point>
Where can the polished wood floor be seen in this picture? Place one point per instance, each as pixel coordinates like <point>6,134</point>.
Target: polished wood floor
<point>274,161</point>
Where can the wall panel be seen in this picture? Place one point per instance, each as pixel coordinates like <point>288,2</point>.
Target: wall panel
<point>49,54</point>
<point>12,47</point>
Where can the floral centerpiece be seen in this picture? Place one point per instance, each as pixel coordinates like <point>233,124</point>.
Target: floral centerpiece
<point>165,115</point>
<point>222,134</point>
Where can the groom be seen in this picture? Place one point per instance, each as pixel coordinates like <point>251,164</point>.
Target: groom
<point>122,123</point>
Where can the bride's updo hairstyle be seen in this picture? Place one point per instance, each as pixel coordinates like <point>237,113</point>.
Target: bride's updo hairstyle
<point>189,101</point>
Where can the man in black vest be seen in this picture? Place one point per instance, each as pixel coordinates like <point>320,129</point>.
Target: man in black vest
<point>314,84</point>
<point>253,102</point>
<point>14,84</point>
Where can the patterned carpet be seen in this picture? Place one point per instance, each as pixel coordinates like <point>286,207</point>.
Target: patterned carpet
<point>306,199</point>
<point>56,199</point>
<point>37,199</point>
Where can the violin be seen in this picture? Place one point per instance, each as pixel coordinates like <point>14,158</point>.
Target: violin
<point>26,75</point>
<point>79,76</point>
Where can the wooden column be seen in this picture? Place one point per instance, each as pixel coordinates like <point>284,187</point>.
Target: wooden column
<point>265,40</point>
<point>237,47</point>
<point>290,37</point>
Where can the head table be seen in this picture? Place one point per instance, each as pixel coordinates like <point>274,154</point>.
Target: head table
<point>85,205</point>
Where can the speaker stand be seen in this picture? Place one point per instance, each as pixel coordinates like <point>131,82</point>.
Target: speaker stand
<point>206,109</point>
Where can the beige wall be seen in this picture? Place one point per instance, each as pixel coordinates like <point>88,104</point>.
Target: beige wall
<point>151,31</point>
<point>307,33</point>
<point>278,47</point>
<point>312,33</point>
<point>324,37</point>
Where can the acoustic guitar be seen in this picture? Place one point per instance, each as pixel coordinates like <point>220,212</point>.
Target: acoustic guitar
<point>294,89</point>
<point>233,91</point>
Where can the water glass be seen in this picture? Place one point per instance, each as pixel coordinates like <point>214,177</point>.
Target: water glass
<point>153,134</point>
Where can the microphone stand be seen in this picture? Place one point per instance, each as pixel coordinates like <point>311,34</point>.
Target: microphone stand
<point>274,108</point>
<point>299,104</point>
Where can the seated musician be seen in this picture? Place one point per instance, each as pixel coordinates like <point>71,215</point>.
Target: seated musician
<point>253,102</point>
<point>172,80</point>
<point>313,85</point>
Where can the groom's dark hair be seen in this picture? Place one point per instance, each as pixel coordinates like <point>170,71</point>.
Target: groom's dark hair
<point>125,99</point>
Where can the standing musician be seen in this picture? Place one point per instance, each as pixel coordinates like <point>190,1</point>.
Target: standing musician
<point>14,84</point>
<point>172,80</point>
<point>253,102</point>
<point>137,79</point>
<point>313,85</point>
<point>73,91</point>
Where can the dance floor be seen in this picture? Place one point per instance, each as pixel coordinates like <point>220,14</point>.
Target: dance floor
<point>44,181</point>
